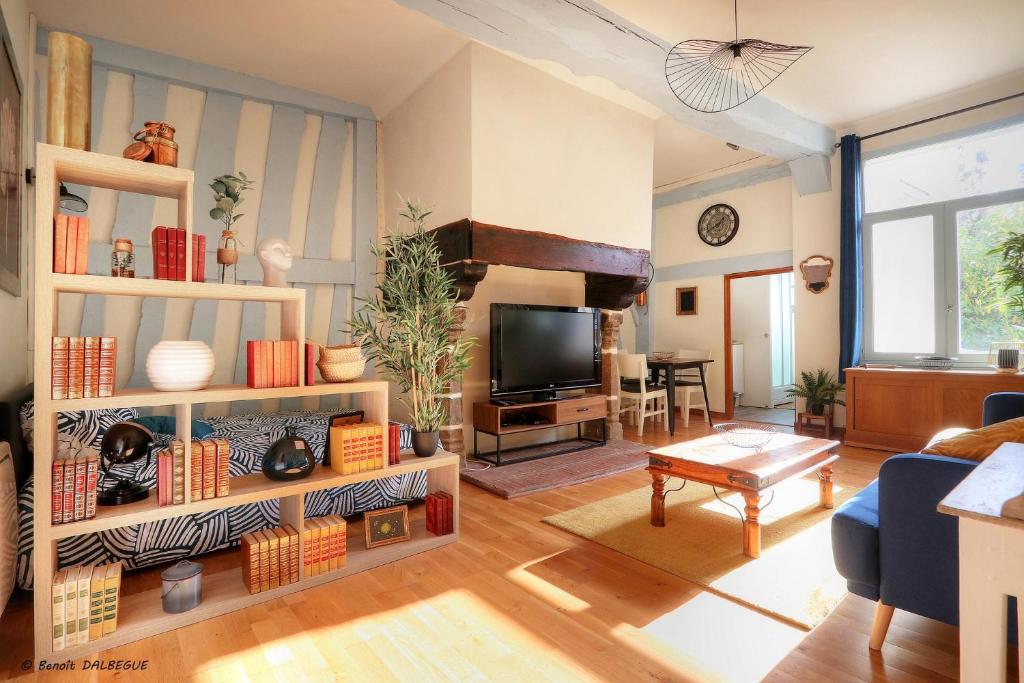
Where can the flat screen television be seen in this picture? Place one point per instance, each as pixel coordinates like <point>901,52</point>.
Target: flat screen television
<point>543,349</point>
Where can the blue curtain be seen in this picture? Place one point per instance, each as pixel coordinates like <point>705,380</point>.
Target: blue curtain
<point>851,256</point>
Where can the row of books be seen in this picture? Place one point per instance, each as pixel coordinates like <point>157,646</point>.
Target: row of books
<point>356,447</point>
<point>85,603</point>
<point>272,363</point>
<point>169,254</point>
<point>70,244</point>
<point>270,558</point>
<point>210,476</point>
<point>83,367</point>
<point>73,488</point>
<point>324,545</point>
<point>440,513</point>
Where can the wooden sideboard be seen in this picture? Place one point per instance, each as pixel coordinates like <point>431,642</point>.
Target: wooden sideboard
<point>902,409</point>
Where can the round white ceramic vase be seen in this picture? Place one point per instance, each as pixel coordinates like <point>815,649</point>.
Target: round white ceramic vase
<point>180,365</point>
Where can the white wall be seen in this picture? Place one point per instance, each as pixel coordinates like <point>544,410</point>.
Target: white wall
<point>751,322</point>
<point>15,372</point>
<point>543,155</point>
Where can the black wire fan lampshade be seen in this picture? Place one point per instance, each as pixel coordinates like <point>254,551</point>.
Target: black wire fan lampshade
<point>711,76</point>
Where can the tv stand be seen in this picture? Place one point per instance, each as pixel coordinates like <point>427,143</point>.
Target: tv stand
<point>502,420</point>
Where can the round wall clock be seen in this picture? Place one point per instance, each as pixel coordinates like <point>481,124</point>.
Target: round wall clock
<point>718,225</point>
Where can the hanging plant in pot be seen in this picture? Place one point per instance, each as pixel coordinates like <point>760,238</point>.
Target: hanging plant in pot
<point>407,327</point>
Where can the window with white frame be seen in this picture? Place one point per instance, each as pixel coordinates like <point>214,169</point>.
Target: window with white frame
<point>932,216</point>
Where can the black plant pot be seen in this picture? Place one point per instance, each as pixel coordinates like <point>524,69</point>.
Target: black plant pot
<point>424,444</point>
<point>817,409</point>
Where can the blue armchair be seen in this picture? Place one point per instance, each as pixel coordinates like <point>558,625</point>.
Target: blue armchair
<point>892,546</point>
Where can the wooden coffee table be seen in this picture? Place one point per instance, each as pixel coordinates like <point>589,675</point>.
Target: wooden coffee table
<point>713,461</point>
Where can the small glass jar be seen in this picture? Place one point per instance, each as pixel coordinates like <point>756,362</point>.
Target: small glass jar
<point>122,259</point>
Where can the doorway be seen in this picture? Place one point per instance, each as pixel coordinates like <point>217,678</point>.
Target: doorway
<point>760,347</point>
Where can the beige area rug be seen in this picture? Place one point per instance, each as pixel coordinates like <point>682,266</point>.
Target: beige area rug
<point>702,542</point>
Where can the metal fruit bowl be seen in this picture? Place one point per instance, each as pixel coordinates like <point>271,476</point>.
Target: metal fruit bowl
<point>746,435</point>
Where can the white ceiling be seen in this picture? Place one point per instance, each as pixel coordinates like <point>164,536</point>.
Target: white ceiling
<point>869,56</point>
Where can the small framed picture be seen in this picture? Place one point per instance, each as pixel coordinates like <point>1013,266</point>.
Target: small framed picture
<point>386,526</point>
<point>686,301</point>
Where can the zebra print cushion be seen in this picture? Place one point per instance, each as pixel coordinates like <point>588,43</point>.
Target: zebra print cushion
<point>156,542</point>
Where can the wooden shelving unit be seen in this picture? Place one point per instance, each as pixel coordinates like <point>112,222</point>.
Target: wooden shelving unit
<point>141,614</point>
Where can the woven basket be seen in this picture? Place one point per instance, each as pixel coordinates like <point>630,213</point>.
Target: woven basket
<point>341,363</point>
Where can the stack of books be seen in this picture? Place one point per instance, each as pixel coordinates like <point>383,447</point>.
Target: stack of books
<point>210,476</point>
<point>170,474</point>
<point>270,558</point>
<point>169,254</point>
<point>70,244</point>
<point>272,363</point>
<point>85,603</point>
<point>440,513</point>
<point>323,545</point>
<point>356,447</point>
<point>394,443</point>
<point>73,492</point>
<point>83,367</point>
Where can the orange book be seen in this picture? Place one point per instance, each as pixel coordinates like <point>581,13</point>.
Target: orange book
<point>59,369</point>
<point>307,550</point>
<point>251,563</point>
<point>60,243</point>
<point>284,557</point>
<point>275,557</point>
<point>209,469</point>
<point>276,364</point>
<point>264,372</point>
<point>293,551</point>
<point>82,246</point>
<point>337,557</point>
<point>325,545</point>
<point>108,366</point>
<point>196,476</point>
<point>223,481</point>
<point>314,524</point>
<point>264,559</point>
<point>76,367</point>
<point>91,387</point>
<point>71,245</point>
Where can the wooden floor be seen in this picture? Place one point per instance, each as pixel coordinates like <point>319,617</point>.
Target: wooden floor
<point>518,600</point>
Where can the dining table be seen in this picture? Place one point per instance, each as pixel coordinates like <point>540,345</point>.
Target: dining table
<point>670,366</point>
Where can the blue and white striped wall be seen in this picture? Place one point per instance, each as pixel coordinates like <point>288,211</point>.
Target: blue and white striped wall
<point>313,160</point>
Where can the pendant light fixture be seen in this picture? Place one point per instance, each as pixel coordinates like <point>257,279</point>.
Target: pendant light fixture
<point>713,75</point>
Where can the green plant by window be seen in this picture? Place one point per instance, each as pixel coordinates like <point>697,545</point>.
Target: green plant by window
<point>407,327</point>
<point>818,390</point>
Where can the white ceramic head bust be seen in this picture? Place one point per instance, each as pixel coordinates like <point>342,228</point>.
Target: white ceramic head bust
<point>276,258</point>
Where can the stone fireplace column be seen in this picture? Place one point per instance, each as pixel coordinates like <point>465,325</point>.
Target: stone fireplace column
<point>451,434</point>
<point>610,322</point>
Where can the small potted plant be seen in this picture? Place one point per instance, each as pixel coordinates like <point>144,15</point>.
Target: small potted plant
<point>407,327</point>
<point>818,390</point>
<point>227,195</point>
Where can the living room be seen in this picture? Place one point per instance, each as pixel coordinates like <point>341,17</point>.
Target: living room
<point>411,339</point>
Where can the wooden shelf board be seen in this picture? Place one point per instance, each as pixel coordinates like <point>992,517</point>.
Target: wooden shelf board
<point>141,614</point>
<point>172,289</point>
<point>117,173</point>
<point>137,398</point>
<point>247,489</point>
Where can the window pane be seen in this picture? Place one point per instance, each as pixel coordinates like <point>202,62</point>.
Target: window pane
<point>987,162</point>
<point>903,286</point>
<point>985,312</point>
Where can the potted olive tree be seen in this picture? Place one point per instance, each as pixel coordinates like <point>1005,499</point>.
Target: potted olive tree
<point>406,328</point>
<point>818,390</point>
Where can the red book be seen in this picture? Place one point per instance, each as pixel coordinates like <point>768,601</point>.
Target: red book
<point>81,468</point>
<point>82,246</point>
<point>71,245</point>
<point>172,254</point>
<point>296,381</point>
<point>292,363</point>
<point>68,505</point>
<point>57,492</point>
<point>92,471</point>
<point>107,373</point>
<point>158,242</point>
<point>394,443</point>
<point>60,243</point>
<point>431,502</point>
<point>198,258</point>
<point>179,243</point>
<point>76,367</point>
<point>311,350</point>
<point>250,364</point>
<point>279,366</point>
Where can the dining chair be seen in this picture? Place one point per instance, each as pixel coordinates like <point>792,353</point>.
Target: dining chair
<point>688,385</point>
<point>636,388</point>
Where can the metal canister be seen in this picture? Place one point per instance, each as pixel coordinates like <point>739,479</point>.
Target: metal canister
<point>182,587</point>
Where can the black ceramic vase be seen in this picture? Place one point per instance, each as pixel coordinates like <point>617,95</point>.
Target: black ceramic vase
<point>424,444</point>
<point>123,443</point>
<point>289,458</point>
